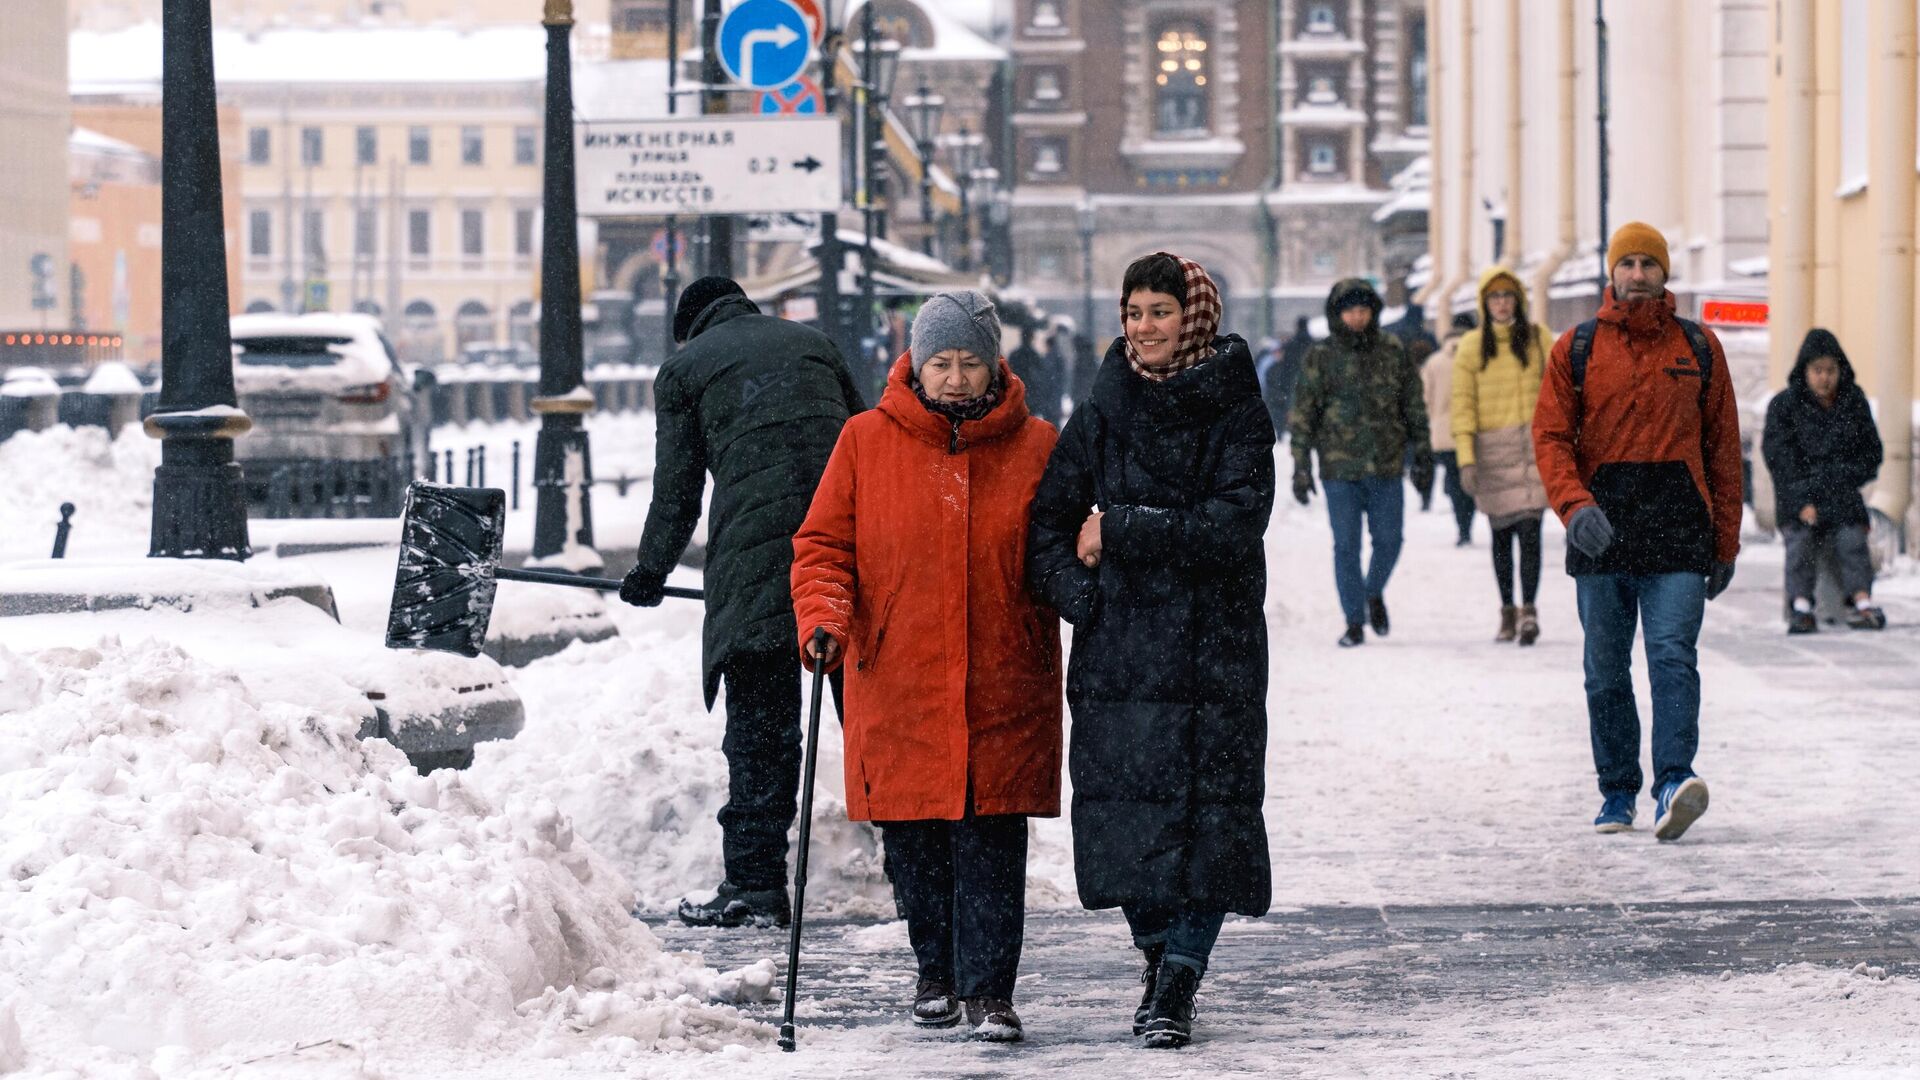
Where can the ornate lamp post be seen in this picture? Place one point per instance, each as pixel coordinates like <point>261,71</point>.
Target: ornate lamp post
<point>879,63</point>
<point>562,466</point>
<point>986,180</point>
<point>964,150</point>
<point>199,508</point>
<point>923,108</point>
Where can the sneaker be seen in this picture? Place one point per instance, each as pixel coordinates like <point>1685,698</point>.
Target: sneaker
<point>1616,813</point>
<point>1377,614</point>
<point>1147,977</point>
<point>734,906</point>
<point>1678,806</point>
<point>1867,618</point>
<point>1356,635</point>
<point>993,1020</point>
<point>934,1005</point>
<point>1171,1024</point>
<point>1802,622</point>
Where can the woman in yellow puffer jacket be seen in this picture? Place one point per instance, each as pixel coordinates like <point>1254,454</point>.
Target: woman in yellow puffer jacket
<point>1496,381</point>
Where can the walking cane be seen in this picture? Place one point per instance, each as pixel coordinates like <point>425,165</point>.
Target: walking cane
<point>806,834</point>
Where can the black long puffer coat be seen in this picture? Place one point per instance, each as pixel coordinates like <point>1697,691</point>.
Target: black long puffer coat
<point>759,401</point>
<point>1168,679</point>
<point>1821,456</point>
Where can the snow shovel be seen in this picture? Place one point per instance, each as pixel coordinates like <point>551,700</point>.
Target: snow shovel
<point>787,1042</point>
<point>450,540</point>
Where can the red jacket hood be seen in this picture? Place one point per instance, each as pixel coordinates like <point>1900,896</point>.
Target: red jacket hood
<point>901,405</point>
<point>1646,318</point>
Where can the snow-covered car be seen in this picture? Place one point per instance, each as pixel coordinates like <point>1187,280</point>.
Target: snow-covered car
<point>319,388</point>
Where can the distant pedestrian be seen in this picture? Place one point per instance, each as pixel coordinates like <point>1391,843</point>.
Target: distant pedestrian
<point>1496,381</point>
<point>1821,447</point>
<point>1086,364</point>
<point>1147,537</point>
<point>912,560</point>
<point>758,402</point>
<point>1411,329</point>
<point>1032,361</point>
<point>1360,407</point>
<point>1638,441</point>
<point>1284,377</point>
<point>1436,381</point>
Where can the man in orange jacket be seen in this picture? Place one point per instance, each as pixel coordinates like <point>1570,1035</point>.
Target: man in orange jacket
<point>1638,442</point>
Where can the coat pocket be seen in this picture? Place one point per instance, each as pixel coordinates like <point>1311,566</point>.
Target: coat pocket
<point>873,636</point>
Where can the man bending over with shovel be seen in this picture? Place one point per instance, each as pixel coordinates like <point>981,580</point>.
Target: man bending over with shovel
<point>758,402</point>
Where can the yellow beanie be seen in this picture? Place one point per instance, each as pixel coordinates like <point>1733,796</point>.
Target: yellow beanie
<point>1638,238</point>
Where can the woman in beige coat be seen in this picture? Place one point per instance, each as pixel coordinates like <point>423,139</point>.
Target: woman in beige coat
<point>1496,381</point>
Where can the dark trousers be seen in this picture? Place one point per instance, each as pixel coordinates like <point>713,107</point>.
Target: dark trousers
<point>1188,936</point>
<point>1669,607</point>
<point>1803,557</point>
<point>963,887</point>
<point>762,745</point>
<point>1463,508</point>
<point>1379,502</point>
<point>1525,532</point>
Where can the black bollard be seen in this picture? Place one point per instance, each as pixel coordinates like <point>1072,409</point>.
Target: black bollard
<point>480,452</point>
<point>449,465</point>
<point>516,474</point>
<point>61,530</point>
<point>469,466</point>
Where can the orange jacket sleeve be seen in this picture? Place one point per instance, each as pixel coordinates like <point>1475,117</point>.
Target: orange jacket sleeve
<point>823,556</point>
<point>1556,425</point>
<point>1720,456</point>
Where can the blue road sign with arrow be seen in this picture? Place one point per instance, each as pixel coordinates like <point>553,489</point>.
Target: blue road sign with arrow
<point>764,43</point>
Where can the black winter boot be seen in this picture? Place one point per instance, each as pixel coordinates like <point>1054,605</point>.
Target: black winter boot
<point>1171,1025</point>
<point>1377,614</point>
<point>1147,978</point>
<point>734,906</point>
<point>934,1004</point>
<point>1356,635</point>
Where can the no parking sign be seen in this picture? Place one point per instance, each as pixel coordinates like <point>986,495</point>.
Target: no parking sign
<point>801,97</point>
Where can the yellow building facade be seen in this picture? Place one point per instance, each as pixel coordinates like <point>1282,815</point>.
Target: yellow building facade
<point>33,171</point>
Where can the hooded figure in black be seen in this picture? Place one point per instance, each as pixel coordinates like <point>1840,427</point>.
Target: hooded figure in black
<point>1146,535</point>
<point>758,402</point>
<point>1821,448</point>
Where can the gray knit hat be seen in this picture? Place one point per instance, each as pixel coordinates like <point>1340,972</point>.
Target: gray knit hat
<point>955,320</point>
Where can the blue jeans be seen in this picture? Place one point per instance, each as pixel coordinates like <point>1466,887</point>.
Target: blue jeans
<point>1669,607</point>
<point>1381,500</point>
<point>1188,935</point>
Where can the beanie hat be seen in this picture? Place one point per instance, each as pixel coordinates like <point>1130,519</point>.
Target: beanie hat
<point>694,300</point>
<point>963,319</point>
<point>1638,238</point>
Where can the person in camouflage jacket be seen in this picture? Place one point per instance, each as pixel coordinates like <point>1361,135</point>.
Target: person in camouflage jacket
<point>1360,406</point>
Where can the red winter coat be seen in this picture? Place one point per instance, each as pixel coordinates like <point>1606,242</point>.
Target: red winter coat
<point>913,557</point>
<point>1638,441</point>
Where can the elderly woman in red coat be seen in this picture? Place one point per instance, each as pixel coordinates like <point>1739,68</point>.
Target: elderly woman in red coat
<point>911,559</point>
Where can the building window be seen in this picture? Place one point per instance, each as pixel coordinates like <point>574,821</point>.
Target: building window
<point>1417,71</point>
<point>366,145</point>
<point>473,230</point>
<point>472,146</point>
<point>1047,93</point>
<point>259,146</point>
<point>1180,81</point>
<point>366,227</point>
<point>419,146</point>
<point>1321,160</point>
<point>525,146</point>
<point>1046,16</point>
<point>419,233</point>
<point>523,232</point>
<point>1321,92</point>
<point>314,235</point>
<point>260,233</point>
<point>1322,20</point>
<point>1049,158</point>
<point>312,146</point>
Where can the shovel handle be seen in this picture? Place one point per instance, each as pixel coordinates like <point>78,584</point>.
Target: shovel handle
<point>561,577</point>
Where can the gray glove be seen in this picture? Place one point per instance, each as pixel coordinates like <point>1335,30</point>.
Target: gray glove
<point>1589,532</point>
<point>1719,579</point>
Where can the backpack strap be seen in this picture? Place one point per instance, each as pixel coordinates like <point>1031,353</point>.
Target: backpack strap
<point>1702,355</point>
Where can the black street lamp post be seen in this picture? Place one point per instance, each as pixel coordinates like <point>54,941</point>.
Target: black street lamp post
<point>562,465</point>
<point>878,62</point>
<point>923,108</point>
<point>199,506</point>
<point>1089,220</point>
<point>963,153</point>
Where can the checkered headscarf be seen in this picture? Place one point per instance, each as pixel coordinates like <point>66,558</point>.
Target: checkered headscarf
<point>1199,321</point>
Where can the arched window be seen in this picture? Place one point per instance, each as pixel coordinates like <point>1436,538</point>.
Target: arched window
<point>472,324</point>
<point>1181,103</point>
<point>259,307</point>
<point>420,311</point>
<point>367,307</point>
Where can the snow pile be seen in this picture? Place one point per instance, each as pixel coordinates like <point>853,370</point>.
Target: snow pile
<point>188,867</point>
<point>108,480</point>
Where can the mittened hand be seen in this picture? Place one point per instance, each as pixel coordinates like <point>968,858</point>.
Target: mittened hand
<point>1589,532</point>
<point>1302,486</point>
<point>642,589</point>
<point>1422,476</point>
<point>1719,579</point>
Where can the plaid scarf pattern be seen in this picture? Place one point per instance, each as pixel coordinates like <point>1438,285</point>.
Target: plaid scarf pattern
<point>1199,322</point>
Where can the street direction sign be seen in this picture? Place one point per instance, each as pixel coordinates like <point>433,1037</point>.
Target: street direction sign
<point>708,165</point>
<point>801,97</point>
<point>764,43</point>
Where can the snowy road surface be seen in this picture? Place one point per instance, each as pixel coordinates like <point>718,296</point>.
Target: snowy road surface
<point>1442,907</point>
